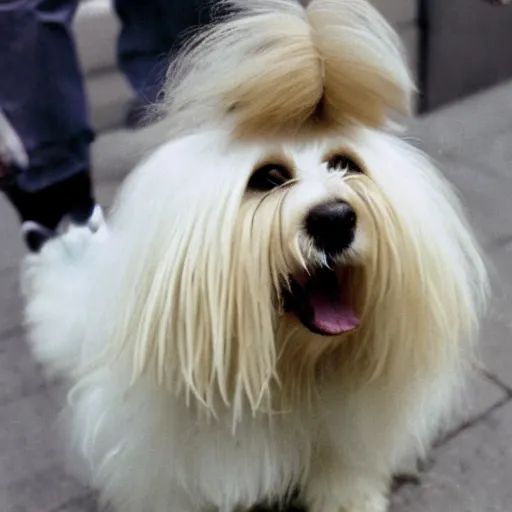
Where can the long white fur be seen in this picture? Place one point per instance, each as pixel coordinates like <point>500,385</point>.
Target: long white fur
<point>191,388</point>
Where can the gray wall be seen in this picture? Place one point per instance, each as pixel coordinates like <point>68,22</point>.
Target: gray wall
<point>466,46</point>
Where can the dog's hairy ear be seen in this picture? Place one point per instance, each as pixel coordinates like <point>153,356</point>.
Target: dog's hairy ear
<point>274,67</point>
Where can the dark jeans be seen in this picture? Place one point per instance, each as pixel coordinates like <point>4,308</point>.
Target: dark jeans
<point>41,86</point>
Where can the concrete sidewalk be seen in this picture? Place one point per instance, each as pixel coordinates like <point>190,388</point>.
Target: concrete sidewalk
<point>470,470</point>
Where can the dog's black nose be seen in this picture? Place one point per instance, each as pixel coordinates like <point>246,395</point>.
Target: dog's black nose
<point>332,226</point>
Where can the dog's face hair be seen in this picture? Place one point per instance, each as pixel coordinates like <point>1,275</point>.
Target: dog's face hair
<point>309,191</point>
<point>274,255</point>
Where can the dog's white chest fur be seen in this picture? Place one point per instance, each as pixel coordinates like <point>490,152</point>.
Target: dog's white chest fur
<point>262,460</point>
<point>172,453</point>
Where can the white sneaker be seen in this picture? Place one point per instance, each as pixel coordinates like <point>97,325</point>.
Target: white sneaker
<point>96,223</point>
<point>36,235</point>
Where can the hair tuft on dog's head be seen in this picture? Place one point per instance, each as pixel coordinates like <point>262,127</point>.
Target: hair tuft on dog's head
<point>274,68</point>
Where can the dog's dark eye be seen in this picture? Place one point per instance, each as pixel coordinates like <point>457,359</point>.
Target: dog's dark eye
<point>269,176</point>
<point>343,163</point>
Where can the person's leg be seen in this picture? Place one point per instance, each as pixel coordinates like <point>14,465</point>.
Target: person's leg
<point>42,97</point>
<point>151,32</point>
<point>140,47</point>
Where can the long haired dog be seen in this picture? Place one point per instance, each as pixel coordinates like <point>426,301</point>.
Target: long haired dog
<point>288,292</point>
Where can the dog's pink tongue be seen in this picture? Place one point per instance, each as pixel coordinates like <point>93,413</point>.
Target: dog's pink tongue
<point>330,315</point>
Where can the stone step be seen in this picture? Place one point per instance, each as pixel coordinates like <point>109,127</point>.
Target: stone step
<point>96,30</point>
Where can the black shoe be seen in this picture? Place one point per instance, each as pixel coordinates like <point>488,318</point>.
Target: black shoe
<point>35,235</point>
<point>47,207</point>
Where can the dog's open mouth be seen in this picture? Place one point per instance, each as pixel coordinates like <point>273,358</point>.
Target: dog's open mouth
<point>321,303</point>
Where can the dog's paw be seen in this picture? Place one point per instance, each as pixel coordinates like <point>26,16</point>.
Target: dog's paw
<point>347,494</point>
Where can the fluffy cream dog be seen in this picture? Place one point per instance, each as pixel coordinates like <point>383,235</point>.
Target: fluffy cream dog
<point>287,293</point>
